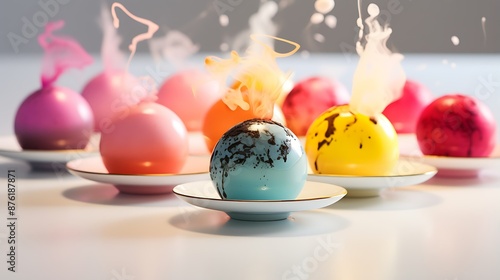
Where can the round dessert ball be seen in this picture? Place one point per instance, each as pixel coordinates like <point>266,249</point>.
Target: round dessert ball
<point>110,93</point>
<point>308,99</point>
<point>53,118</point>
<point>346,143</point>
<point>404,112</point>
<point>456,125</point>
<point>220,119</point>
<point>258,160</point>
<point>151,139</point>
<point>190,94</point>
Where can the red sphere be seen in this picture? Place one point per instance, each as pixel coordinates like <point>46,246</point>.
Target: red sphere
<point>458,126</point>
<point>310,98</point>
<point>404,112</point>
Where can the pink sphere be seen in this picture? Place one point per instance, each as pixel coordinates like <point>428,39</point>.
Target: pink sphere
<point>151,139</point>
<point>404,112</point>
<point>190,94</point>
<point>308,99</point>
<point>53,118</point>
<point>457,126</point>
<point>111,93</point>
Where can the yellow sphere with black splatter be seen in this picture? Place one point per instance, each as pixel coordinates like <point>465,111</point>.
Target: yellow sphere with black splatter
<point>342,142</point>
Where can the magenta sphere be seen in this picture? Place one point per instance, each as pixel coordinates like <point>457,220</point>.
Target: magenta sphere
<point>53,118</point>
<point>457,126</point>
<point>110,93</point>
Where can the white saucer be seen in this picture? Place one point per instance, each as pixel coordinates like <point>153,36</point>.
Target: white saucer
<point>405,173</point>
<point>458,166</point>
<point>448,166</point>
<point>44,159</point>
<point>314,195</point>
<point>196,168</point>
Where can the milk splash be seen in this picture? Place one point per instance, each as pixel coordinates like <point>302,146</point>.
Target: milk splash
<point>379,76</point>
<point>256,80</point>
<point>60,53</point>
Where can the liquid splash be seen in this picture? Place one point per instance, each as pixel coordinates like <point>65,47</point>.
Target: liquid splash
<point>259,23</point>
<point>113,58</point>
<point>331,21</point>
<point>152,28</point>
<point>379,76</point>
<point>60,53</point>
<point>324,6</point>
<point>320,15</point>
<point>256,80</point>
<point>483,26</point>
<point>175,48</point>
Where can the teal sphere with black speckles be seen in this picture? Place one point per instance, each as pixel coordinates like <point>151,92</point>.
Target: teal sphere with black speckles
<point>258,160</point>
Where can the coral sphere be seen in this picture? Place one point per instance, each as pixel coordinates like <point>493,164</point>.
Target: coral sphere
<point>151,139</point>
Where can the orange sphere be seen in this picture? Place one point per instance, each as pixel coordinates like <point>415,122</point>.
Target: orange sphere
<point>220,119</point>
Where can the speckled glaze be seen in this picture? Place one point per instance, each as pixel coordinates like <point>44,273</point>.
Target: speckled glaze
<point>258,160</point>
<point>342,142</point>
<point>53,118</point>
<point>456,125</point>
<point>110,93</point>
<point>308,99</point>
<point>150,139</point>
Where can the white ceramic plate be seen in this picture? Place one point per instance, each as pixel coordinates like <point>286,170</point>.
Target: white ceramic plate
<point>196,168</point>
<point>44,159</point>
<point>458,166</point>
<point>405,173</point>
<point>448,166</point>
<point>314,195</point>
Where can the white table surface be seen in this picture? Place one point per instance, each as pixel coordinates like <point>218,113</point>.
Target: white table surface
<point>70,228</point>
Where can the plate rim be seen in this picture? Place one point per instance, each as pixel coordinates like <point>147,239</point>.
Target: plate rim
<point>404,155</point>
<point>433,170</point>
<point>126,175</point>
<point>253,201</point>
<point>355,184</point>
<point>31,155</point>
<point>455,163</point>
